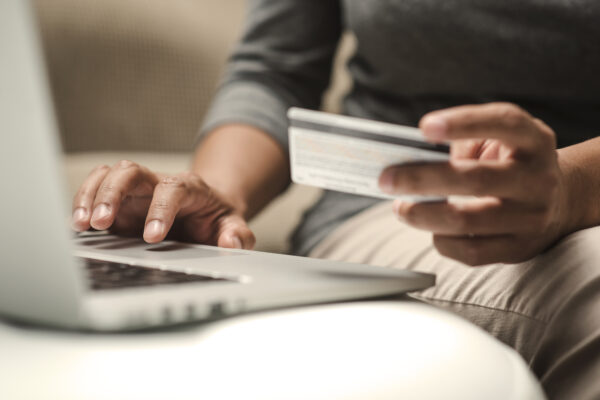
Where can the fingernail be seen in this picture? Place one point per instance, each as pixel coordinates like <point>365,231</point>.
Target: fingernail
<point>79,214</point>
<point>154,229</point>
<point>100,212</point>
<point>237,243</point>
<point>435,127</point>
<point>386,181</point>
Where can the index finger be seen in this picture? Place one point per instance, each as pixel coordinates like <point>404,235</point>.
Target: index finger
<point>121,180</point>
<point>502,121</point>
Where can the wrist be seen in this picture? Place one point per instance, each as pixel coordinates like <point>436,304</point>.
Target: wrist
<point>572,196</point>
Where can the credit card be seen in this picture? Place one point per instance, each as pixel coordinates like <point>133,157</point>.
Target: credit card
<point>348,154</point>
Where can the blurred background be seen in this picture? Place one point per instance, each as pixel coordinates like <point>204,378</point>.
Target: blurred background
<point>135,75</point>
<point>132,80</point>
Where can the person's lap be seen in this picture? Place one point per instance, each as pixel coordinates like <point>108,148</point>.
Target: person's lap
<point>547,308</point>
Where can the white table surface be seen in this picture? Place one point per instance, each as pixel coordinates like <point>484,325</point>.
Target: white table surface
<point>361,350</point>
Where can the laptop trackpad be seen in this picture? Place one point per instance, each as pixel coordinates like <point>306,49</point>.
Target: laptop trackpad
<point>137,248</point>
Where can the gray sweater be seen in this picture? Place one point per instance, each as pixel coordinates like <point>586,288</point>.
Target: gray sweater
<point>413,56</point>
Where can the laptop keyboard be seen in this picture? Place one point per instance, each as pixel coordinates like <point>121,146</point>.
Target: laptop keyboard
<point>105,275</point>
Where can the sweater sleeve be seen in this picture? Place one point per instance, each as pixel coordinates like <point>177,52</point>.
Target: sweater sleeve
<point>283,59</point>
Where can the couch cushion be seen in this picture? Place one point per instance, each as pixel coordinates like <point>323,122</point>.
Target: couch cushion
<point>135,74</point>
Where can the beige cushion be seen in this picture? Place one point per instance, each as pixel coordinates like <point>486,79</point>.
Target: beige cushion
<point>135,74</point>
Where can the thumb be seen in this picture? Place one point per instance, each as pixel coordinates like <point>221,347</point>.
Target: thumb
<point>234,233</point>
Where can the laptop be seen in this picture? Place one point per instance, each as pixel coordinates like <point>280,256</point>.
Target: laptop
<point>98,281</point>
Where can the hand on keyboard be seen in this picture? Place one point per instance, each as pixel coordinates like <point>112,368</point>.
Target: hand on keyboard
<point>130,199</point>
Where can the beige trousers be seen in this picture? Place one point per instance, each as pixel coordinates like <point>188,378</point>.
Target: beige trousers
<point>548,308</point>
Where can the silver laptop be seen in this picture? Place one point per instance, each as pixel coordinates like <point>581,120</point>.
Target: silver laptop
<point>102,282</point>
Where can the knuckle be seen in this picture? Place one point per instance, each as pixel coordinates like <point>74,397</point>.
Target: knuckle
<point>84,193</point>
<point>507,106</point>
<point>187,175</point>
<point>549,139</point>
<point>511,115</point>
<point>161,205</point>
<point>173,182</point>
<point>108,192</point>
<point>107,188</point>
<point>100,168</point>
<point>192,179</point>
<point>548,136</point>
<point>125,164</point>
<point>503,104</point>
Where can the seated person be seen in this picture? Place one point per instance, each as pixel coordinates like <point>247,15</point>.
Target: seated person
<point>514,88</point>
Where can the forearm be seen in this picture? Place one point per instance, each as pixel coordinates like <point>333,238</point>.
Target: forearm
<point>244,164</point>
<point>580,166</point>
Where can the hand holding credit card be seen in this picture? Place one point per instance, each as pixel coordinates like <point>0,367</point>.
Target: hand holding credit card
<point>348,154</point>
